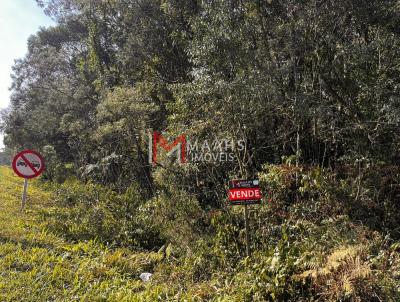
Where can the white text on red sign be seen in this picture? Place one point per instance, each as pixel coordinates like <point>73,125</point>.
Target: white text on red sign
<point>244,194</point>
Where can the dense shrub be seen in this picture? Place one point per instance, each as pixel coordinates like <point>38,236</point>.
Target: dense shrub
<point>313,237</point>
<point>89,211</point>
<point>367,193</point>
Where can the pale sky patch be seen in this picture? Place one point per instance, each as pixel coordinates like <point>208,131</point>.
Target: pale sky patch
<point>18,20</point>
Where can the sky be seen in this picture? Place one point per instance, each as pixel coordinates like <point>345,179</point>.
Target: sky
<point>18,20</point>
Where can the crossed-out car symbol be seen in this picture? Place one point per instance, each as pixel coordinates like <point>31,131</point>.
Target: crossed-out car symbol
<point>24,164</point>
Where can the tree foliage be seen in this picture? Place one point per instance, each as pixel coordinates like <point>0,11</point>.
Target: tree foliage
<point>310,87</point>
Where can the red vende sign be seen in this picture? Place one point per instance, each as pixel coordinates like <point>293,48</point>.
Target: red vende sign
<point>244,194</point>
<point>244,191</point>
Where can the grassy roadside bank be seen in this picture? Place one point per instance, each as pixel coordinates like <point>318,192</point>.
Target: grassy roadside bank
<point>334,260</point>
<point>36,265</point>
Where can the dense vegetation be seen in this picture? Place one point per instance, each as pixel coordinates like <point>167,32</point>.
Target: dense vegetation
<point>5,158</point>
<point>311,87</point>
<point>61,249</point>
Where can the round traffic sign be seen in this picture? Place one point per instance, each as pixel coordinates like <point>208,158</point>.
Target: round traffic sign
<point>28,164</point>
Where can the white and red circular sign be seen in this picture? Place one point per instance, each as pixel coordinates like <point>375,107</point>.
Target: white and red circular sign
<point>28,164</point>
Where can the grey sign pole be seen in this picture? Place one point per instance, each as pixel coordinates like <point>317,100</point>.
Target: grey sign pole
<point>24,194</point>
<point>246,225</point>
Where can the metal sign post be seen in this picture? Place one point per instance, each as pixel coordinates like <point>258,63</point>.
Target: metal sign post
<point>246,226</point>
<point>24,194</point>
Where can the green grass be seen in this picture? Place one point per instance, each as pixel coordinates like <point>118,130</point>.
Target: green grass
<point>335,260</point>
<point>36,265</point>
